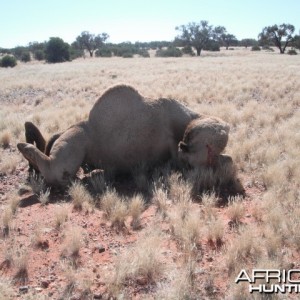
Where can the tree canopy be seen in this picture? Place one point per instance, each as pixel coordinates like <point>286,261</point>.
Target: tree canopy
<point>57,50</point>
<point>279,35</point>
<point>199,35</point>
<point>91,42</point>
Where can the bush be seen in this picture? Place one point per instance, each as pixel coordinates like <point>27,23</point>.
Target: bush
<point>127,55</point>
<point>103,52</point>
<point>57,50</point>
<point>124,50</point>
<point>8,61</point>
<point>143,53</point>
<point>75,53</point>
<point>39,55</point>
<point>255,48</point>
<point>25,57</point>
<point>268,48</point>
<point>170,52</point>
<point>188,50</point>
<point>212,46</point>
<point>292,52</point>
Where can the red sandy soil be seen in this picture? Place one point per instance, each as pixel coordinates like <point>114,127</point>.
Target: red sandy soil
<point>47,273</point>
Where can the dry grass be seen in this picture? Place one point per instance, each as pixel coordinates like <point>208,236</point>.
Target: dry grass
<point>9,162</point>
<point>160,199</point>
<point>236,209</point>
<point>242,87</point>
<point>13,201</point>
<point>6,289</point>
<point>60,215</point>
<point>6,220</point>
<point>5,138</point>
<point>73,242</point>
<point>115,209</point>
<point>44,196</point>
<point>136,207</point>
<point>181,283</point>
<point>80,196</point>
<point>245,248</point>
<point>21,266</point>
<point>140,263</point>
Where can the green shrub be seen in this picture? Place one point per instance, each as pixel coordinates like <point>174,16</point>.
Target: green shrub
<point>292,52</point>
<point>143,53</point>
<point>169,52</point>
<point>39,55</point>
<point>255,48</point>
<point>103,52</point>
<point>268,48</point>
<point>188,50</point>
<point>25,57</point>
<point>8,61</point>
<point>75,53</point>
<point>212,45</point>
<point>57,50</point>
<point>127,55</point>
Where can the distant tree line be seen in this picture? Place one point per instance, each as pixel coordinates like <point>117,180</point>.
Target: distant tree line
<point>191,40</point>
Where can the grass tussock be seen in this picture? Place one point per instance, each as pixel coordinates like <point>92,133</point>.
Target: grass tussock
<point>6,288</point>
<point>73,242</point>
<point>136,207</point>
<point>160,199</point>
<point>141,263</point>
<point>236,209</point>
<point>187,227</point>
<point>44,196</point>
<point>81,198</point>
<point>9,162</point>
<point>115,209</point>
<point>244,249</point>
<point>6,220</point>
<point>60,215</point>
<point>181,283</point>
<point>21,266</point>
<point>5,139</point>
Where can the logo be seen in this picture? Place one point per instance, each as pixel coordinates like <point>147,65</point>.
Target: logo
<point>271,281</point>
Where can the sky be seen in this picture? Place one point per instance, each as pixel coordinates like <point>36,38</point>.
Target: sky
<point>24,21</point>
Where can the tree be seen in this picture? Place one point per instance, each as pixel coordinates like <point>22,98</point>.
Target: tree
<point>296,41</point>
<point>228,40</point>
<point>279,35</point>
<point>57,50</point>
<point>198,35</point>
<point>90,42</point>
<point>248,43</point>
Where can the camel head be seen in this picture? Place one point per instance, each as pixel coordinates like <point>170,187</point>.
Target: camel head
<point>203,141</point>
<point>52,174</point>
<point>67,154</point>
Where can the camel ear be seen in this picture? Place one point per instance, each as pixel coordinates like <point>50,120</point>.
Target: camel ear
<point>33,135</point>
<point>183,146</point>
<point>37,158</point>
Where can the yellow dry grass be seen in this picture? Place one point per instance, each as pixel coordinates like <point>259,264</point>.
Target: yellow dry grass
<point>257,93</point>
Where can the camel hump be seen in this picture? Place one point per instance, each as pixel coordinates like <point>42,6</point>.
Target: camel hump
<point>121,91</point>
<point>118,102</point>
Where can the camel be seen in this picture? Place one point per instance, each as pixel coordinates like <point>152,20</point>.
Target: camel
<point>125,130</point>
